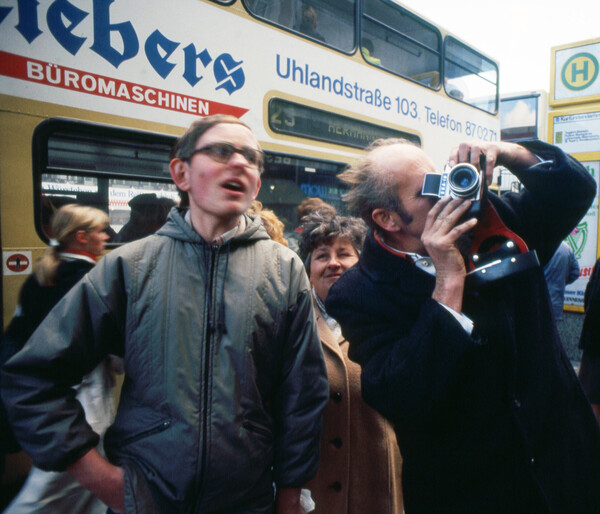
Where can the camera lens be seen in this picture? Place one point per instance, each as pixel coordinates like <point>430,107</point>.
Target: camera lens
<point>463,180</point>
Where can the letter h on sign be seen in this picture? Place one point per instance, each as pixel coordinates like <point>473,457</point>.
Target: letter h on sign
<point>583,71</point>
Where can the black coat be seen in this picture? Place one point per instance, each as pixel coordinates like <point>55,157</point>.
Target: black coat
<point>491,422</point>
<point>35,302</point>
<point>590,333</point>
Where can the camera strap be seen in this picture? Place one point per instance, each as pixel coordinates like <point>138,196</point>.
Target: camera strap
<point>496,251</point>
<point>501,269</point>
<point>489,234</point>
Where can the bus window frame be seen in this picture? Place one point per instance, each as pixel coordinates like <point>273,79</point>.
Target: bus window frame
<point>39,146</point>
<point>467,47</point>
<point>414,17</point>
<point>291,30</point>
<point>533,96</point>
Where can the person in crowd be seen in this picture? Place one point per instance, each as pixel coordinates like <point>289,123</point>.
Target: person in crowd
<point>561,269</point>
<point>225,380</point>
<point>487,408</point>
<point>306,207</point>
<point>273,225</point>
<point>368,51</point>
<point>148,214</point>
<point>309,22</point>
<point>79,236</point>
<point>589,370</point>
<point>313,204</point>
<point>360,463</point>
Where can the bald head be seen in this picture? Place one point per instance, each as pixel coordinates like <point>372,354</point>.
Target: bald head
<point>375,180</point>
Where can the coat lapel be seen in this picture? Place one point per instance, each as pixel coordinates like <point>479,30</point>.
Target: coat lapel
<point>326,336</point>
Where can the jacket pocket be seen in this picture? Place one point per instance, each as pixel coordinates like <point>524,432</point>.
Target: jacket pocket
<point>138,498</point>
<point>154,429</point>
<point>257,429</point>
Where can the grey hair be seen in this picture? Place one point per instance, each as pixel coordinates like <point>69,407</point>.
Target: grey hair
<point>321,228</point>
<point>371,188</point>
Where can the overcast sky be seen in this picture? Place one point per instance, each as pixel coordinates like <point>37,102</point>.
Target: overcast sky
<point>516,33</point>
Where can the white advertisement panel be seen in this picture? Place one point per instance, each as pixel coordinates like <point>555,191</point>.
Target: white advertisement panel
<point>578,133</point>
<point>584,241</point>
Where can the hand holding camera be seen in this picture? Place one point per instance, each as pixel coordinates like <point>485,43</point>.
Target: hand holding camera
<point>461,181</point>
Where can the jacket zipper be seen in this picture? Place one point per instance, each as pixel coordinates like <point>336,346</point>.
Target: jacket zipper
<point>210,329</point>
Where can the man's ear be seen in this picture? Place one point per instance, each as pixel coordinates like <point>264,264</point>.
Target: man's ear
<point>180,173</point>
<point>387,220</point>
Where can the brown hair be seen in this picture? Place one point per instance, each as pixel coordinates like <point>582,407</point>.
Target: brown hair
<point>273,225</point>
<point>320,228</point>
<point>313,204</point>
<point>186,144</point>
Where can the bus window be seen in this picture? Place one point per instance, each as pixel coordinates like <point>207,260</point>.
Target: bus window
<point>396,40</point>
<point>288,180</point>
<point>327,21</point>
<point>523,116</point>
<point>469,76</point>
<point>121,172</point>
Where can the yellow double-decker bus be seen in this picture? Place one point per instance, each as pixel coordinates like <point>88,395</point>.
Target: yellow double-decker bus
<point>94,92</point>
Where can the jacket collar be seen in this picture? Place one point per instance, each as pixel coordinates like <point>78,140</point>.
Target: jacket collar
<point>177,228</point>
<point>383,266</point>
<point>327,338</point>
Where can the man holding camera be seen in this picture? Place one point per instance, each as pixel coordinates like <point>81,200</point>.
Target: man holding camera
<point>454,332</point>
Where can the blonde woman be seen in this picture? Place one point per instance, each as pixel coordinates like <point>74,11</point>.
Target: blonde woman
<point>79,237</point>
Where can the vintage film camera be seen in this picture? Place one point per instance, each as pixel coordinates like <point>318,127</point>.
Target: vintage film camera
<point>499,252</point>
<point>461,181</point>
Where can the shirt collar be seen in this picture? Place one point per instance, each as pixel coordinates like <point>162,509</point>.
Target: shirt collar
<point>333,325</point>
<point>72,255</point>
<point>423,262</point>
<point>225,236</point>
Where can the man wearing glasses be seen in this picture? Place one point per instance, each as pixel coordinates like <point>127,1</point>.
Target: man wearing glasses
<point>225,380</point>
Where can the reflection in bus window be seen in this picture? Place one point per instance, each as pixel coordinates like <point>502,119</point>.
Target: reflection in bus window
<point>123,173</point>
<point>288,180</point>
<point>148,212</point>
<point>309,23</point>
<point>135,208</point>
<point>522,117</point>
<point>398,41</point>
<point>469,76</point>
<point>327,21</point>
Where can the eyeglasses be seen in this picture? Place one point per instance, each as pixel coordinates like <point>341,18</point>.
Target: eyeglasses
<point>222,152</point>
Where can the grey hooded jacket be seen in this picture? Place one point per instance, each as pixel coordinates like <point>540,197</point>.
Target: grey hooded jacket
<point>224,374</point>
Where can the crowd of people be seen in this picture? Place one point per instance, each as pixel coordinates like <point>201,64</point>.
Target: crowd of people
<point>372,362</point>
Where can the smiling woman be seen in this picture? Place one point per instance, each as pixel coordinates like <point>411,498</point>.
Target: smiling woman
<point>360,461</point>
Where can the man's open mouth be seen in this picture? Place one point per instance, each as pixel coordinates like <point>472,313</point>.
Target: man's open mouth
<point>233,186</point>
